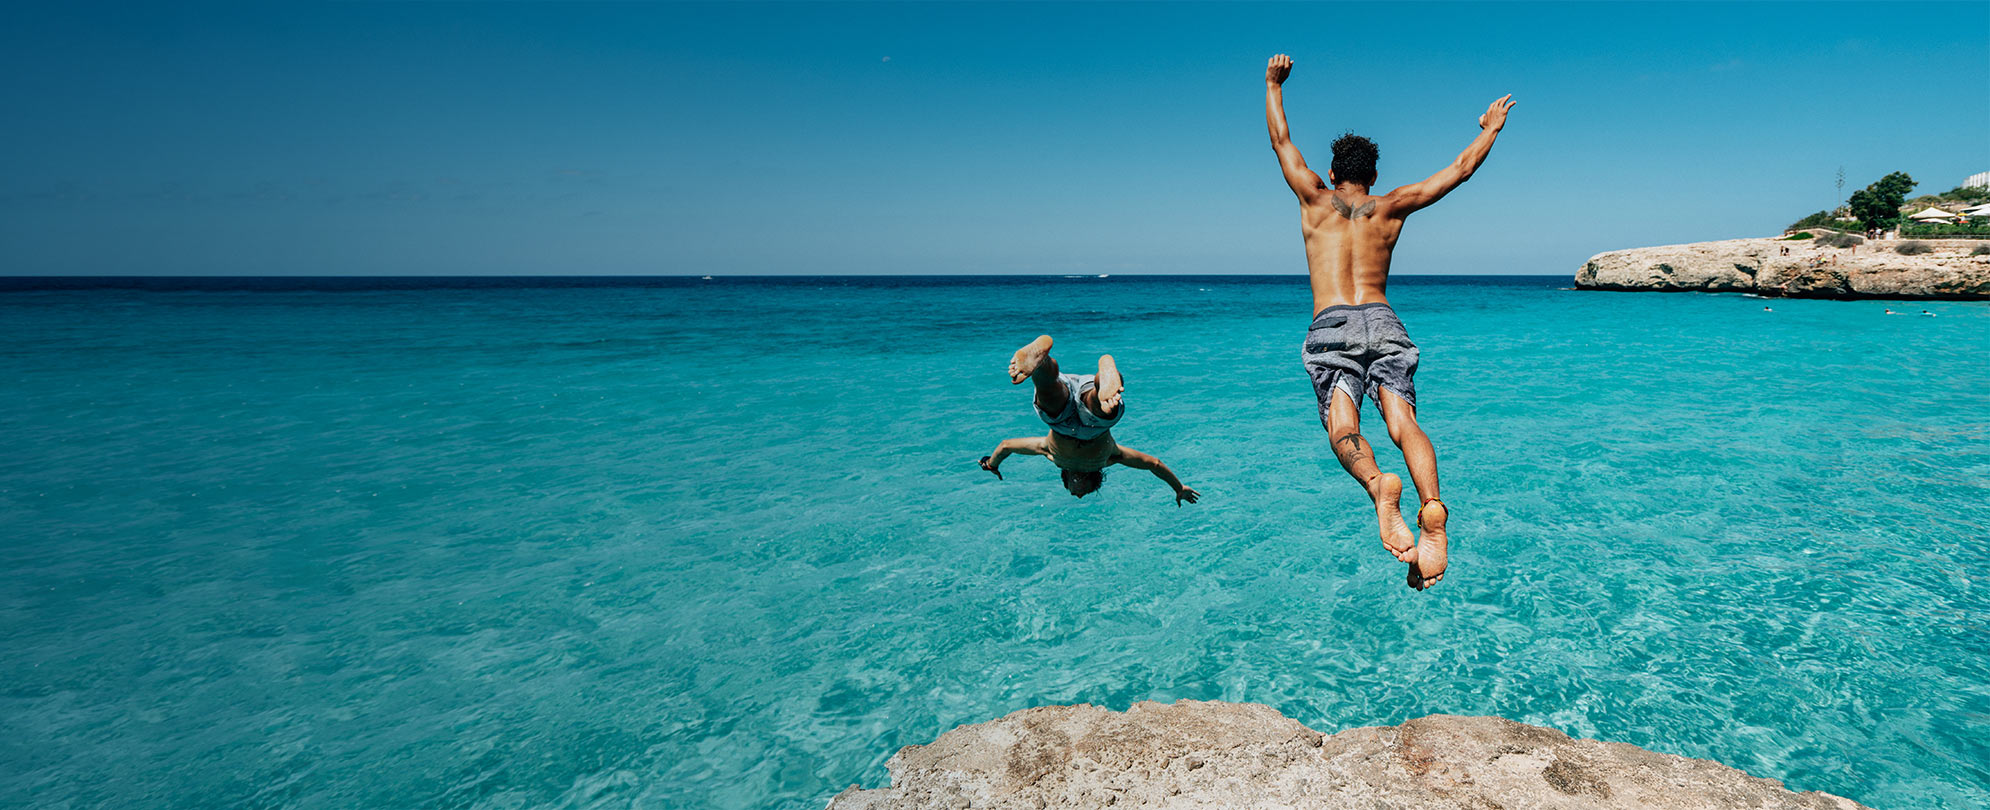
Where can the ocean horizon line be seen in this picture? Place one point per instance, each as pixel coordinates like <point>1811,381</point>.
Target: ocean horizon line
<point>389,282</point>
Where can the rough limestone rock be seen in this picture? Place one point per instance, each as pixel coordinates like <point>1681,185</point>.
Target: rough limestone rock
<point>1871,270</point>
<point>1197,754</point>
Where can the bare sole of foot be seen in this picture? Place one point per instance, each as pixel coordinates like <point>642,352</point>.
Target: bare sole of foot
<point>1389,517</point>
<point>1433,548</point>
<point>1027,358</point>
<point>1110,385</point>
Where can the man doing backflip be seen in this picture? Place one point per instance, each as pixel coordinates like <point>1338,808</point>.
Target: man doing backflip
<point>1081,410</point>
<point>1356,344</point>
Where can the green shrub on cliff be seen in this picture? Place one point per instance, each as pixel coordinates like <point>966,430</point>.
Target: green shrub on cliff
<point>1839,240</point>
<point>1796,236</point>
<point>1912,248</point>
<point>1879,205</point>
<point>1981,250</point>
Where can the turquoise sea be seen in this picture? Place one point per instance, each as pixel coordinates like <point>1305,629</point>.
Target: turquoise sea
<point>677,543</point>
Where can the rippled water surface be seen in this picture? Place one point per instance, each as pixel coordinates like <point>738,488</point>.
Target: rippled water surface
<point>723,543</point>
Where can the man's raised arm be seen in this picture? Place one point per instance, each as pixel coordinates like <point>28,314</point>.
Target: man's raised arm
<point>1418,195</point>
<point>1304,181</point>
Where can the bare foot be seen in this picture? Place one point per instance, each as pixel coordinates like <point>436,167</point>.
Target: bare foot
<point>1110,385</point>
<point>1025,362</point>
<point>1387,490</point>
<point>1433,546</point>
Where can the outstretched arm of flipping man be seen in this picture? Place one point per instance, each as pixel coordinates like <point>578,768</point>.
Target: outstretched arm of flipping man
<point>1130,457</point>
<point>1033,446</point>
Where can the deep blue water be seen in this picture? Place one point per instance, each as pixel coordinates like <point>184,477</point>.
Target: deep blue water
<point>685,543</point>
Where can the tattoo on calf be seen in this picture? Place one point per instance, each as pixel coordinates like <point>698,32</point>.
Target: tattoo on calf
<point>1357,447</point>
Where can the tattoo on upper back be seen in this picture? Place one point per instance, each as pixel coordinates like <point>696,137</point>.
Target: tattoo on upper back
<point>1351,212</point>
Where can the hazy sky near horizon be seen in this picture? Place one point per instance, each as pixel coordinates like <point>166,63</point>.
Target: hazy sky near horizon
<point>413,139</point>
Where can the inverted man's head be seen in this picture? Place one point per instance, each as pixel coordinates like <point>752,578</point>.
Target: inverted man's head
<point>1083,482</point>
<point>1354,160</point>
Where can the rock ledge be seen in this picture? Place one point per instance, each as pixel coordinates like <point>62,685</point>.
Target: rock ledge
<point>1197,754</point>
<point>1871,270</point>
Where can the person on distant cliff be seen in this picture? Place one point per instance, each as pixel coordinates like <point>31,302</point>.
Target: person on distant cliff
<point>1081,410</point>
<point>1356,344</point>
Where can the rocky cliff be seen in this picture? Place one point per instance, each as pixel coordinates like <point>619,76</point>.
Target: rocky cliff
<point>1197,754</point>
<point>1872,270</point>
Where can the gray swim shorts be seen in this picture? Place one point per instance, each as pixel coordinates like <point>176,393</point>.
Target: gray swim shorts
<point>1076,420</point>
<point>1360,348</point>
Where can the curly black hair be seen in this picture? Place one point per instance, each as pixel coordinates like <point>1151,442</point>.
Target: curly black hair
<point>1354,159</point>
<point>1083,482</point>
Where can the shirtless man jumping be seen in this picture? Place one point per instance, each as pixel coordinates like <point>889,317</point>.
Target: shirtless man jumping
<point>1081,410</point>
<point>1357,344</point>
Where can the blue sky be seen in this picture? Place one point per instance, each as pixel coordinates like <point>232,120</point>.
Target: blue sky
<point>903,138</point>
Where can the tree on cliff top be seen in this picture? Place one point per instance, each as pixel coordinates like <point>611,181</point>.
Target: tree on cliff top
<point>1878,205</point>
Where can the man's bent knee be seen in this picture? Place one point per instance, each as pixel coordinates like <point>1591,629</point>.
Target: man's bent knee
<point>1401,419</point>
<point>1402,429</point>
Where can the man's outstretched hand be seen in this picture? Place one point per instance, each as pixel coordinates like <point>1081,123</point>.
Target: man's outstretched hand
<point>1276,70</point>
<point>1495,114</point>
<point>995,468</point>
<point>1186,494</point>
